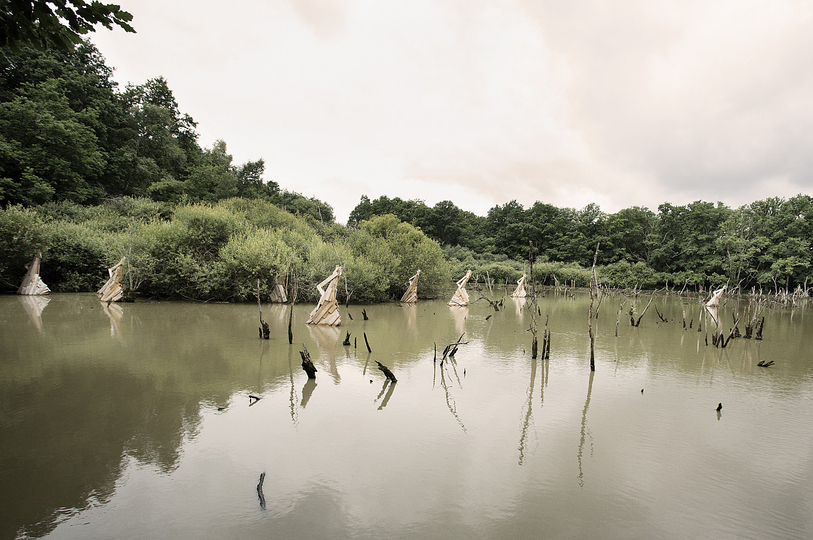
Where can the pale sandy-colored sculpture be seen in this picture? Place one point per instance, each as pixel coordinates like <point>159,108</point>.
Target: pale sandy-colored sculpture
<point>411,294</point>
<point>715,298</point>
<point>32,282</point>
<point>278,295</point>
<point>112,291</point>
<point>461,297</point>
<point>713,303</point>
<point>327,309</point>
<point>520,290</point>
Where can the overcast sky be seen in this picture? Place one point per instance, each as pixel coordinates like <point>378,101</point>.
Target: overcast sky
<point>569,102</point>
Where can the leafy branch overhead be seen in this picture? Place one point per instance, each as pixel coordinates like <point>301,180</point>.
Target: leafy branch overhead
<point>58,24</point>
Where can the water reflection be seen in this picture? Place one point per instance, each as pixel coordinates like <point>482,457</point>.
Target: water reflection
<point>527,414</point>
<point>115,313</point>
<point>127,432</point>
<point>585,431</point>
<point>327,338</point>
<point>459,314</point>
<point>450,401</point>
<point>388,388</point>
<point>307,391</point>
<point>33,306</point>
<point>519,304</point>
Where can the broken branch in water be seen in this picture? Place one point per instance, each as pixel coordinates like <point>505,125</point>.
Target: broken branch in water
<point>260,491</point>
<point>386,371</point>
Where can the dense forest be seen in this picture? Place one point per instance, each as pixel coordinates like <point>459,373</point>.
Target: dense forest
<point>765,244</point>
<point>90,173</point>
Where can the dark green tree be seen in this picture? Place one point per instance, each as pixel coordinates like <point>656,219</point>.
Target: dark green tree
<point>58,24</point>
<point>48,150</point>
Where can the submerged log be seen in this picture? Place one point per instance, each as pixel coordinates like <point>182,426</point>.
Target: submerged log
<point>461,297</point>
<point>327,309</point>
<point>260,491</point>
<point>411,294</point>
<point>112,291</point>
<point>519,292</point>
<point>32,283</point>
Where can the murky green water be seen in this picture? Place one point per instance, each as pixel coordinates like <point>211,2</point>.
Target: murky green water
<point>111,424</point>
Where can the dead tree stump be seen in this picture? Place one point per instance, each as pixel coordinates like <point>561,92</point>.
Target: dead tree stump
<point>307,364</point>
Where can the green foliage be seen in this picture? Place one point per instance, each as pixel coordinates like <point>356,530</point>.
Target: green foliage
<point>214,252</point>
<point>47,150</point>
<point>624,275</point>
<point>56,23</point>
<point>76,257</point>
<point>22,235</point>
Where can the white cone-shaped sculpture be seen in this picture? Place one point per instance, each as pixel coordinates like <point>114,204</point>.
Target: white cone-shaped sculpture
<point>411,294</point>
<point>112,291</point>
<point>278,295</point>
<point>713,303</point>
<point>327,309</point>
<point>520,290</point>
<point>32,282</point>
<point>461,297</point>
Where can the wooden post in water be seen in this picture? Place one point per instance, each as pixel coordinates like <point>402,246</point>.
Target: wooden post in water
<point>265,330</point>
<point>533,300</point>
<point>590,314</point>
<point>307,364</point>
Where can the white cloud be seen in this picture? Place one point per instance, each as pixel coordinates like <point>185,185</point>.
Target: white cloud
<point>619,103</point>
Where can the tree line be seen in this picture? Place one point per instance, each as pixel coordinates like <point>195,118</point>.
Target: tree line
<point>69,137</point>
<point>765,244</point>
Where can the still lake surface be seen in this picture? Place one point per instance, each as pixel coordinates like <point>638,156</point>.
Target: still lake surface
<point>135,421</point>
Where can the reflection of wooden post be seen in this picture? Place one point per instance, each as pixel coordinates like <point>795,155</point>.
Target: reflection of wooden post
<point>520,290</point>
<point>461,297</point>
<point>327,309</point>
<point>32,283</point>
<point>112,291</point>
<point>411,294</point>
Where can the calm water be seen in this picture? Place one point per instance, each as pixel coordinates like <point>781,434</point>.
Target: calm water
<point>135,422</point>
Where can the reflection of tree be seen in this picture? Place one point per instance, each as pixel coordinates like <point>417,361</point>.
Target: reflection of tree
<point>70,423</point>
<point>386,399</point>
<point>67,451</point>
<point>527,415</point>
<point>450,402</point>
<point>585,431</point>
<point>293,398</point>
